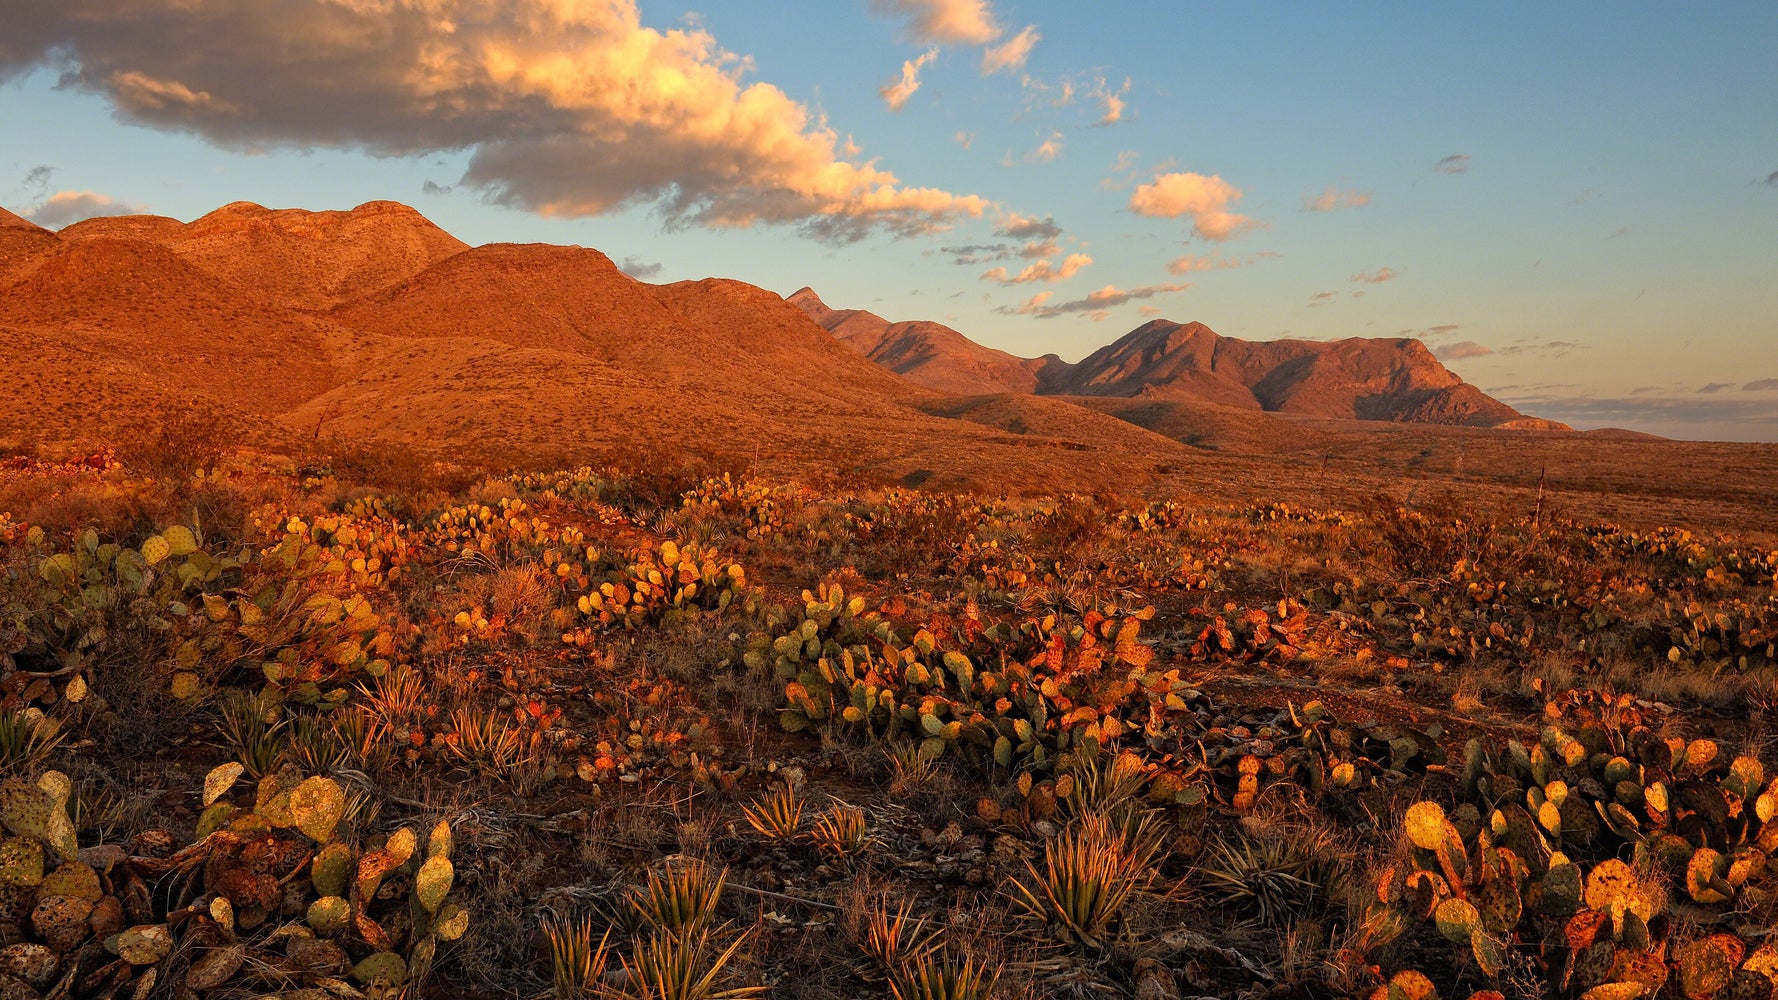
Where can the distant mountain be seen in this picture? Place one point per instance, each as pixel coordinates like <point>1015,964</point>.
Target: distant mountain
<point>1359,378</point>
<point>924,353</point>
<point>374,324</point>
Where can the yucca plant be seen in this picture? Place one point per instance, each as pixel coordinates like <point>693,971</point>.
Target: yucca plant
<point>1275,876</point>
<point>259,744</point>
<point>1089,872</point>
<point>943,977</point>
<point>316,744</point>
<point>841,831</point>
<point>578,961</point>
<point>27,738</point>
<point>682,899</point>
<point>894,940</point>
<point>396,697</point>
<point>484,738</point>
<point>778,813</point>
<point>909,769</point>
<point>684,967</point>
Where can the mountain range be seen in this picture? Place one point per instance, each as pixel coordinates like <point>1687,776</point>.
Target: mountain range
<point>375,324</point>
<point>1358,378</point>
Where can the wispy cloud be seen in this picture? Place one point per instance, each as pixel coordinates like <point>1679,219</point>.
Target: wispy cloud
<point>1554,348</point>
<point>1096,302</point>
<point>1714,387</point>
<point>1460,350</point>
<point>1205,200</point>
<point>1041,271</point>
<point>943,22</point>
<point>1376,277</point>
<point>68,207</point>
<point>1761,385</point>
<point>1771,179</point>
<point>963,138</point>
<point>1333,199</point>
<point>1113,101</point>
<point>1048,150</point>
<point>1456,163</point>
<point>1214,261</point>
<point>1012,53</point>
<point>564,109</point>
<point>896,93</point>
<point>639,269</point>
<point>1749,419</point>
<point>1014,226</point>
<point>1322,298</point>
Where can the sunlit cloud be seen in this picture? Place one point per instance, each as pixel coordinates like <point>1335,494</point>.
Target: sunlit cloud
<point>1376,277</point>
<point>896,93</point>
<point>1215,261</point>
<point>1333,199</point>
<point>1041,271</point>
<point>1456,163</point>
<point>1322,298</point>
<point>68,207</point>
<point>565,109</point>
<point>1460,350</point>
<point>1761,385</point>
<point>1204,199</point>
<point>1096,302</point>
<point>1048,150</point>
<point>963,138</point>
<point>1113,101</point>
<point>943,22</point>
<point>1554,348</point>
<point>1012,53</point>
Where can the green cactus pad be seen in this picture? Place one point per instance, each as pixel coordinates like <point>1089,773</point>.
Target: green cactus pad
<point>331,869</point>
<point>317,806</point>
<point>1425,825</point>
<point>433,882</point>
<point>383,967</point>
<point>1457,920</point>
<point>329,915</point>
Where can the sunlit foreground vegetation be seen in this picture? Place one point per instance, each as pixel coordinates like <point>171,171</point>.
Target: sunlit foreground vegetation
<point>353,726</point>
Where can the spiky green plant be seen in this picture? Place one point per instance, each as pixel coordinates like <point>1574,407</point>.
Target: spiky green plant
<point>1272,877</point>
<point>778,813</point>
<point>579,962</point>
<point>316,744</point>
<point>27,738</point>
<point>892,940</point>
<point>684,967</point>
<point>910,770</point>
<point>258,742</point>
<point>944,977</point>
<point>1090,871</point>
<point>682,899</point>
<point>484,738</point>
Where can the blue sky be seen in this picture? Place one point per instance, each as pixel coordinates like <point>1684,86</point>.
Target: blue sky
<point>1576,206</point>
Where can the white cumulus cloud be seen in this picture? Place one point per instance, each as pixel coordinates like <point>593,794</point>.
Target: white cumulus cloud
<point>68,207</point>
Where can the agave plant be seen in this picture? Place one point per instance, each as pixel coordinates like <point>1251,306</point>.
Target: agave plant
<point>578,961</point>
<point>841,831</point>
<point>777,814</point>
<point>684,967</point>
<point>1089,873</point>
<point>681,900</point>
<point>943,977</point>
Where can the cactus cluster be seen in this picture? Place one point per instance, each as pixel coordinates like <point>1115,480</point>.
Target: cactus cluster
<point>658,585</point>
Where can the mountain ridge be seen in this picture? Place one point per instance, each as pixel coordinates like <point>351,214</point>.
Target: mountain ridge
<point>1393,379</point>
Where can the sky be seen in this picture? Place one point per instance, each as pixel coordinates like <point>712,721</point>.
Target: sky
<point>1574,205</point>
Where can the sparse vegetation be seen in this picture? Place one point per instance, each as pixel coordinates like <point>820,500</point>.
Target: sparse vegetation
<point>696,734</point>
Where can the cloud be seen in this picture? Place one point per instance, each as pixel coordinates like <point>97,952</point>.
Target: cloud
<point>1771,179</point>
<point>1376,277</point>
<point>1761,385</point>
<point>1100,301</point>
<point>1041,271</point>
<point>896,93</point>
<point>1205,199</point>
<point>1456,163</point>
<point>943,22</point>
<point>434,188</point>
<point>1150,311</point>
<point>1192,263</point>
<point>1554,348</point>
<point>1113,100</point>
<point>1460,350</point>
<point>1047,150</point>
<point>639,269</point>
<point>963,138</point>
<point>1012,53</point>
<point>1715,387</point>
<point>1332,200</point>
<point>566,109</point>
<point>1322,298</point>
<point>1014,226</point>
<point>67,207</point>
